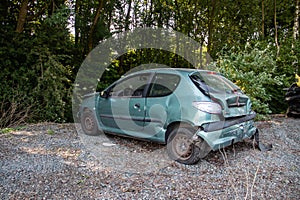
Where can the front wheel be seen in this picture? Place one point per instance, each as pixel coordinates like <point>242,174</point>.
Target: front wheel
<point>183,149</point>
<point>89,123</point>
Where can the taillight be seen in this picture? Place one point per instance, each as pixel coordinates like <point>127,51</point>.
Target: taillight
<point>209,107</point>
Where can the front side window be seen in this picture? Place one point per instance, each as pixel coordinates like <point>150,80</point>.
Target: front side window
<point>130,87</point>
<point>163,85</point>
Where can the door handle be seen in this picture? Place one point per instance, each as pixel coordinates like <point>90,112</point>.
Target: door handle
<point>137,106</point>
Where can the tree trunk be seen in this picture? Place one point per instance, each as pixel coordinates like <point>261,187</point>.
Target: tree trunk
<point>22,16</point>
<point>296,24</point>
<point>76,25</point>
<point>127,22</point>
<point>93,26</point>
<point>263,19</point>
<point>276,31</point>
<point>149,13</point>
<point>296,32</point>
<point>211,13</point>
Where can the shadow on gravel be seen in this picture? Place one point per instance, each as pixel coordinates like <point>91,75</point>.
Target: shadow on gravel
<point>135,156</point>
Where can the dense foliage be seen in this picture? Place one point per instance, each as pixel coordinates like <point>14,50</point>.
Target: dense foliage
<point>43,43</point>
<point>255,71</point>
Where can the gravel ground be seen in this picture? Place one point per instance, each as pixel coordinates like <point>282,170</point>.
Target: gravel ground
<point>52,161</point>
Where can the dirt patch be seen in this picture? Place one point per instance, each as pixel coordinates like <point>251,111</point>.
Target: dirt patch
<point>52,161</point>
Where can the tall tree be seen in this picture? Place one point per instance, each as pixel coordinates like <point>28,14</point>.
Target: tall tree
<point>211,20</point>
<point>276,30</point>
<point>127,17</point>
<point>93,26</point>
<point>262,19</point>
<point>296,23</point>
<point>296,33</point>
<point>22,16</point>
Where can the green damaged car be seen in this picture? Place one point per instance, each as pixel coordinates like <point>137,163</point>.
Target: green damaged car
<point>191,111</point>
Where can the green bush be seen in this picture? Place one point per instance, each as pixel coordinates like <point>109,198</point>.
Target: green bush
<point>254,70</point>
<point>36,74</point>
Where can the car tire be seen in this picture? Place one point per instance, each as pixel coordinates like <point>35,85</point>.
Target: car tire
<point>89,123</point>
<point>183,149</point>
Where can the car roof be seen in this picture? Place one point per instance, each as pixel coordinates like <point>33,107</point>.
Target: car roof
<point>168,70</point>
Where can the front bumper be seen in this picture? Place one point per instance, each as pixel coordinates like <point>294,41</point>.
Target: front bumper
<point>225,133</point>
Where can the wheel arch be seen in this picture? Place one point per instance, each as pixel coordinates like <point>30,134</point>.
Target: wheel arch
<point>176,124</point>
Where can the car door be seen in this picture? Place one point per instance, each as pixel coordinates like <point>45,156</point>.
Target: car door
<point>123,110</point>
<point>160,102</point>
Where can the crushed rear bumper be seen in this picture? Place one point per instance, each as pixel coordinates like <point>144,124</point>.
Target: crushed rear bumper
<point>215,126</point>
<point>225,133</point>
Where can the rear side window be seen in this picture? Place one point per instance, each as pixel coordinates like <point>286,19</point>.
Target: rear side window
<point>163,85</point>
<point>211,82</point>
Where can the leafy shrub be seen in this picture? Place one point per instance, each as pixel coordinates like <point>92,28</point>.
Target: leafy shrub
<point>36,74</point>
<point>254,70</point>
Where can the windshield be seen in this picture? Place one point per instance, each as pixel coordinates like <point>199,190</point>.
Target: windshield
<point>212,82</point>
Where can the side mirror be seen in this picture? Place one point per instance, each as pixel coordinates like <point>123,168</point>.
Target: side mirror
<point>104,94</point>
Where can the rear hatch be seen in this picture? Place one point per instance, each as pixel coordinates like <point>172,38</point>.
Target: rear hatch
<point>233,101</point>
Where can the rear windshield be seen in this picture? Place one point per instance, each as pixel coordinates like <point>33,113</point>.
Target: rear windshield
<point>212,82</point>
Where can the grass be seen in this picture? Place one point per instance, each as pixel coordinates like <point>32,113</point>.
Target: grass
<point>12,115</point>
<point>9,130</point>
<point>50,132</point>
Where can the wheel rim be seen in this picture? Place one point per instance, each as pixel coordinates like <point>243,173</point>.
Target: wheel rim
<point>89,123</point>
<point>182,146</point>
